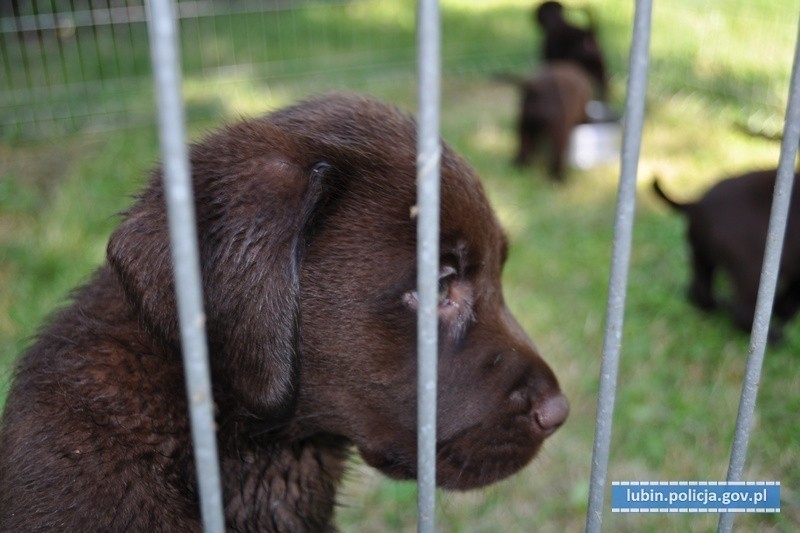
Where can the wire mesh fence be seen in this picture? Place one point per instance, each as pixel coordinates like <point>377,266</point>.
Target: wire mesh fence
<point>75,65</point>
<point>83,65</point>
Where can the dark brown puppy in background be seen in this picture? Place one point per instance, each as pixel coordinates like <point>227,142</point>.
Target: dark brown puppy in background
<point>563,41</point>
<point>727,231</point>
<point>308,260</point>
<point>552,103</point>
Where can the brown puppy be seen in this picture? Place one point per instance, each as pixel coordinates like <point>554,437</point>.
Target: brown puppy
<point>308,261</point>
<point>553,103</point>
<point>564,41</point>
<point>727,231</point>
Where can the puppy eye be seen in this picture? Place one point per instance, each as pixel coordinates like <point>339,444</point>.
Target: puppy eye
<point>444,291</point>
<point>446,277</point>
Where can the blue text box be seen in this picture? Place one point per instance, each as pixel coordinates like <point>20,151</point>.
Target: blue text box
<point>695,497</point>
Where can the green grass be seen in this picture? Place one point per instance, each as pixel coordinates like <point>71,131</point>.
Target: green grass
<point>715,64</point>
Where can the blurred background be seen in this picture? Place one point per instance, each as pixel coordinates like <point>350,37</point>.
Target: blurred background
<point>77,139</point>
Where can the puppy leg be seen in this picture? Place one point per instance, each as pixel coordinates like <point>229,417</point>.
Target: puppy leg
<point>745,281</point>
<point>746,277</point>
<point>560,139</point>
<point>529,136</point>
<point>787,301</point>
<point>701,287</point>
<point>787,304</point>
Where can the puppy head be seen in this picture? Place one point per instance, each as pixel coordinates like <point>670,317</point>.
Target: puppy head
<point>549,14</point>
<point>498,400</point>
<point>308,246</point>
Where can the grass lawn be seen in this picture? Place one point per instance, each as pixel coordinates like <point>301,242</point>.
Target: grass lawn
<point>716,65</point>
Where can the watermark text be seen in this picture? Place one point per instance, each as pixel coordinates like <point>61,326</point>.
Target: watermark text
<point>695,497</point>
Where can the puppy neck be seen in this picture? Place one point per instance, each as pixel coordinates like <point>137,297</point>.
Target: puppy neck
<point>282,485</point>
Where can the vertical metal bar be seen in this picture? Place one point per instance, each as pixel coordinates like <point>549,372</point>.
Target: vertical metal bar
<point>428,156</point>
<point>163,31</point>
<point>769,279</point>
<point>620,260</point>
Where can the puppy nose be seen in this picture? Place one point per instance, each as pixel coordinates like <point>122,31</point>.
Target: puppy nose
<point>549,414</point>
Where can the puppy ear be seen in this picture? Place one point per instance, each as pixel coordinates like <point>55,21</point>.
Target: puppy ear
<point>253,211</point>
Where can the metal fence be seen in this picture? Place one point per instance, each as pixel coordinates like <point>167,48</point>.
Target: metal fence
<point>623,230</point>
<point>166,69</point>
<point>162,17</point>
<point>428,237</point>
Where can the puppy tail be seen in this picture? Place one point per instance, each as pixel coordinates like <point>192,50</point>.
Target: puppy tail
<point>672,203</point>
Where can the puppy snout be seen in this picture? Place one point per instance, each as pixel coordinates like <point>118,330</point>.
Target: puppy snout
<point>550,413</point>
<point>537,396</point>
